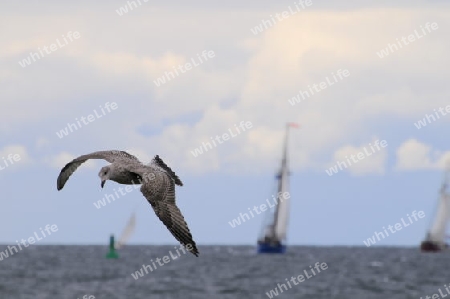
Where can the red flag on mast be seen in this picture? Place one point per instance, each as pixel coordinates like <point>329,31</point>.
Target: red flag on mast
<point>294,125</point>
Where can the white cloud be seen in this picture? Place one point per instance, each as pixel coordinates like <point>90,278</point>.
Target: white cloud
<point>42,142</point>
<point>414,155</point>
<point>374,161</point>
<point>14,156</point>
<point>250,78</point>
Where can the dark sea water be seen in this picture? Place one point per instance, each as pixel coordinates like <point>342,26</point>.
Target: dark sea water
<point>70,272</point>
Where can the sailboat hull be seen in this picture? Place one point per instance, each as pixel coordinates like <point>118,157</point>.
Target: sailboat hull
<point>269,248</point>
<point>428,246</point>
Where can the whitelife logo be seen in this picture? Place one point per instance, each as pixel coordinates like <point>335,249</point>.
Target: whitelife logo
<point>225,137</point>
<point>262,208</point>
<point>391,48</point>
<point>86,120</point>
<point>361,155</point>
<point>124,9</point>
<point>71,36</point>
<point>266,24</point>
<point>31,240</point>
<point>297,280</point>
<point>12,158</point>
<point>316,88</point>
<point>430,117</point>
<point>395,228</point>
<point>187,67</point>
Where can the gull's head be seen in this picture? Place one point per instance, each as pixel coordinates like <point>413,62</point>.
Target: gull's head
<point>104,174</point>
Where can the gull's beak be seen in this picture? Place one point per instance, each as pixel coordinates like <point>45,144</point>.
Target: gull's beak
<point>103,183</point>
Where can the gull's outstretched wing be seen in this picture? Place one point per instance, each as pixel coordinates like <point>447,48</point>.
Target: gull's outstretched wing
<point>158,162</point>
<point>110,156</point>
<point>160,193</point>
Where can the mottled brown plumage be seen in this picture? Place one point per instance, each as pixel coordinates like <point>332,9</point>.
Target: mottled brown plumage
<point>158,186</point>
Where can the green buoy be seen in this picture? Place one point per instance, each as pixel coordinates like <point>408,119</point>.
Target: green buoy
<point>112,254</point>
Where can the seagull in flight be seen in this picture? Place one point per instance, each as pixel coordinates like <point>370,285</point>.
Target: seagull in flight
<point>157,185</point>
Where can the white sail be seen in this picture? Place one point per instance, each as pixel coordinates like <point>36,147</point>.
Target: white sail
<point>127,232</point>
<point>283,206</point>
<point>437,232</point>
<point>275,229</point>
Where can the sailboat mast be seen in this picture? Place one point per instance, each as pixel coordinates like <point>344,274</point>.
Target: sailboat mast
<point>446,177</point>
<point>280,176</point>
<point>285,152</point>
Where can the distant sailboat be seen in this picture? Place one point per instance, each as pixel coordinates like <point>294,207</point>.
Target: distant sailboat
<point>124,237</point>
<point>127,231</point>
<point>435,238</point>
<point>273,236</point>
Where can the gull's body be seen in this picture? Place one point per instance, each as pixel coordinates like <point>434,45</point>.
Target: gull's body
<point>158,186</point>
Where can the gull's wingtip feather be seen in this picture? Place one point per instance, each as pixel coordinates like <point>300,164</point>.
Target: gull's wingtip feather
<point>59,184</point>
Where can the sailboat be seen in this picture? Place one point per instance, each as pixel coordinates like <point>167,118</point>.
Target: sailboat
<point>273,237</point>
<point>435,238</point>
<point>124,237</point>
<point>127,231</point>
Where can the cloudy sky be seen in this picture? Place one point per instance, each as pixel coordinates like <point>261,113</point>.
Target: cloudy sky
<point>116,58</point>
